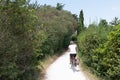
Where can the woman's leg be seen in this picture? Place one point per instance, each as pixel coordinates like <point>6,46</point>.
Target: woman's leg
<point>70,58</point>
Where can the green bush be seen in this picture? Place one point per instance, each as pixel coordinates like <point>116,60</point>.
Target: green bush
<point>89,40</point>
<point>17,41</point>
<point>108,56</point>
<point>58,26</point>
<point>100,48</point>
<point>28,34</point>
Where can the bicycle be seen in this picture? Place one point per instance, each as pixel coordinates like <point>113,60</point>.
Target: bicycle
<point>75,62</point>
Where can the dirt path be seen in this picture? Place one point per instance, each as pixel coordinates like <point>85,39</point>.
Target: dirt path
<point>62,70</point>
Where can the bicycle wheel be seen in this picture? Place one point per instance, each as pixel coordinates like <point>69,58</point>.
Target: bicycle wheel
<point>73,62</point>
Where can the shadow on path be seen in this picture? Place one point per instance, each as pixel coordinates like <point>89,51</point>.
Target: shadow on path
<point>74,68</point>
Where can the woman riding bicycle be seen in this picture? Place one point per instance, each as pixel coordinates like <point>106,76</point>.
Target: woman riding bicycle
<point>72,48</point>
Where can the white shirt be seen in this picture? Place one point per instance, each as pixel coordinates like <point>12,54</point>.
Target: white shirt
<point>72,48</point>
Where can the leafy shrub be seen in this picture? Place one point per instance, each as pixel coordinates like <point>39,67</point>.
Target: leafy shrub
<point>100,48</point>
<point>17,41</point>
<point>28,34</point>
<point>89,40</point>
<point>108,56</point>
<point>58,25</point>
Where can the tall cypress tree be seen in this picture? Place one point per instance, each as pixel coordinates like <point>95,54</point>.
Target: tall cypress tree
<point>80,22</point>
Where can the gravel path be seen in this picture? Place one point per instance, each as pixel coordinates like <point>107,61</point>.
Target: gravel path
<point>62,70</point>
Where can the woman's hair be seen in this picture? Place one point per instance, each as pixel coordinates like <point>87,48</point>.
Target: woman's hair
<point>71,42</point>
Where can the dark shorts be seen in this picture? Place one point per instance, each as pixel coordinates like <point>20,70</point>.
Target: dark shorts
<point>72,55</point>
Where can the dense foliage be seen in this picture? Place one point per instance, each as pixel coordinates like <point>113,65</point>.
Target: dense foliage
<point>99,47</point>
<point>108,56</point>
<point>28,34</point>
<point>57,25</point>
<point>17,42</point>
<point>90,39</point>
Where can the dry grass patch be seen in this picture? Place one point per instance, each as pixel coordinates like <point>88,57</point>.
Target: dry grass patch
<point>46,63</point>
<point>88,73</point>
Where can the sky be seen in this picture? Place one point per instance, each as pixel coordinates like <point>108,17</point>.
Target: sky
<point>93,10</point>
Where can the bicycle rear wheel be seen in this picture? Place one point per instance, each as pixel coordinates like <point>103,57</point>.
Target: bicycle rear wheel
<point>73,62</point>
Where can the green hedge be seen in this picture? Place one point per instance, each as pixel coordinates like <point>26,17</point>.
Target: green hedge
<point>89,42</point>
<point>108,56</point>
<point>28,34</point>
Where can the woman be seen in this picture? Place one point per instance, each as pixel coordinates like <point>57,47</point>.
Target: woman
<point>72,48</point>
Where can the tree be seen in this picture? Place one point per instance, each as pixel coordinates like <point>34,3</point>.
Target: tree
<point>17,41</point>
<point>75,16</point>
<point>59,6</point>
<point>103,23</point>
<point>80,22</point>
<point>115,21</point>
